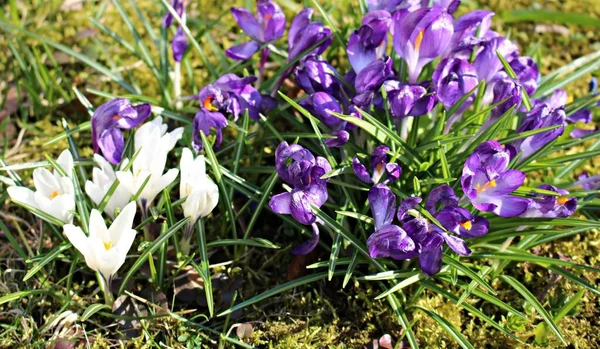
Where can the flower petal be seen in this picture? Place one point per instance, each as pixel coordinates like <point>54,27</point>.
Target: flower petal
<point>242,52</point>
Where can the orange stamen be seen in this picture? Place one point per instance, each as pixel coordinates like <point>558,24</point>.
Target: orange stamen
<point>418,40</point>
<point>466,225</point>
<point>54,194</point>
<point>116,117</point>
<point>561,200</point>
<point>487,185</point>
<point>208,104</point>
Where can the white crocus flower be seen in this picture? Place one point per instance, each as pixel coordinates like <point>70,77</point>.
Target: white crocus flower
<point>153,143</point>
<point>54,194</point>
<point>201,192</point>
<point>105,249</point>
<point>103,178</point>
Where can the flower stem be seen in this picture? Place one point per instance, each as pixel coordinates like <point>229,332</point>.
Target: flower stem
<point>261,67</point>
<point>404,128</point>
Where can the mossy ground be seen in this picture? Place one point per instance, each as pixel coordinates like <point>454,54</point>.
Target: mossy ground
<point>324,314</point>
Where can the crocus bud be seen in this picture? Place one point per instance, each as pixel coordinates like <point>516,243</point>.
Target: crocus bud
<point>486,63</point>
<point>369,42</point>
<point>320,105</point>
<point>452,79</point>
<point>508,90</point>
<point>303,34</point>
<point>541,116</point>
<point>201,192</point>
<point>54,193</point>
<point>408,99</point>
<point>527,72</point>
<point>315,74</point>
<point>105,249</point>
<point>477,21</point>
<point>421,36</point>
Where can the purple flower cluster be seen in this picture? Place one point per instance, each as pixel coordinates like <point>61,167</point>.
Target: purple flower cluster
<point>228,95</point>
<point>416,236</point>
<point>489,184</point>
<point>299,168</point>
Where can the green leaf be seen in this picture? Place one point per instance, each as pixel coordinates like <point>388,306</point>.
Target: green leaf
<point>256,242</point>
<point>529,297</point>
<point>49,257</point>
<point>468,272</point>
<point>447,326</point>
<point>18,295</point>
<point>93,309</point>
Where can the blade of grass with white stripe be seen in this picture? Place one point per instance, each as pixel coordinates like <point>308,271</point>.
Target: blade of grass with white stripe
<point>49,257</point>
<point>468,272</point>
<point>214,164</point>
<point>204,268</point>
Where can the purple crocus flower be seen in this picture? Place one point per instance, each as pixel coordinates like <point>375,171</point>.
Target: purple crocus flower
<point>540,116</point>
<point>369,42</point>
<point>180,42</point>
<point>408,99</point>
<point>340,138</point>
<point>320,105</point>
<point>228,95</point>
<point>452,79</point>
<point>468,25</point>
<point>268,25</point>
<point>548,206</point>
<point>557,100</point>
<point>303,34</point>
<point>421,36</point>
<point>527,73</point>
<point>369,81</point>
<point>392,6</point>
<point>417,236</point>
<point>380,166</point>
<point>508,90</point>
<point>450,5</point>
<point>440,197</point>
<point>488,183</point>
<point>315,74</point>
<point>108,121</point>
<point>587,182</point>
<point>388,240</point>
<point>299,168</point>
<point>486,63</point>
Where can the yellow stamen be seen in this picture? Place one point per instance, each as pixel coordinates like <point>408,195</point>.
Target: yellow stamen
<point>418,40</point>
<point>108,245</point>
<point>466,225</point>
<point>561,200</point>
<point>379,168</point>
<point>54,194</point>
<point>487,185</point>
<point>208,104</point>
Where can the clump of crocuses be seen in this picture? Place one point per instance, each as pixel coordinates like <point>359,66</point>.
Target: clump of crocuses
<point>417,236</point>
<point>299,168</point>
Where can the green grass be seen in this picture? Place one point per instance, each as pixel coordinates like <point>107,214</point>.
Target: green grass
<point>243,249</point>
